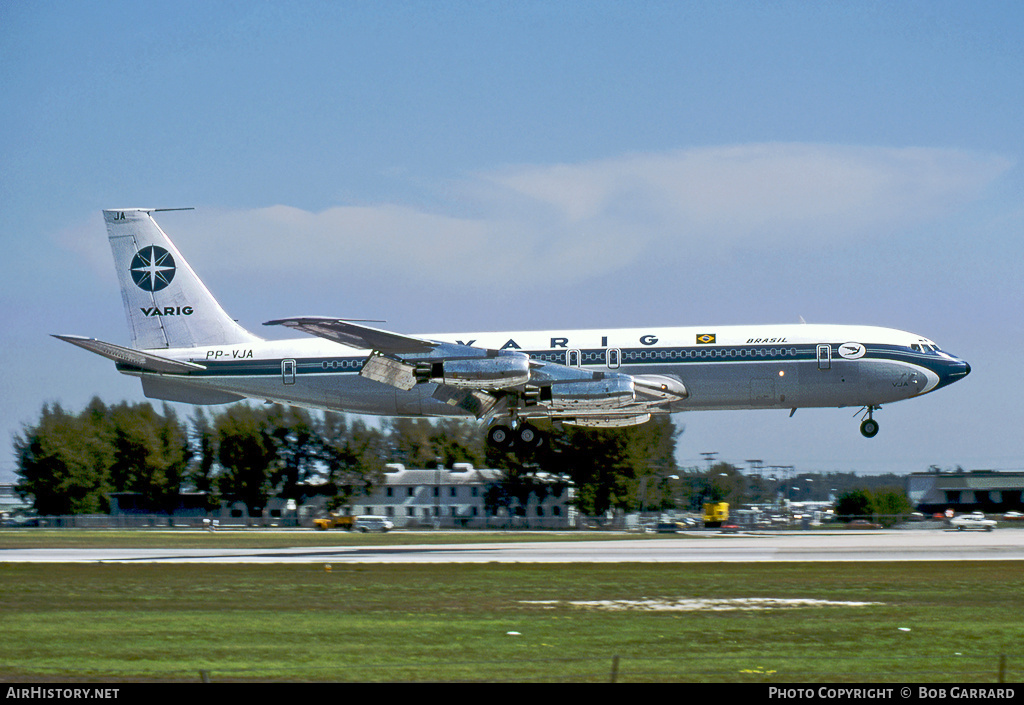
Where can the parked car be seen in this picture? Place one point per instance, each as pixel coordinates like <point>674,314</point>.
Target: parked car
<point>862,524</point>
<point>366,523</point>
<point>975,520</point>
<point>21,521</point>
<point>1013,516</point>
<point>334,521</point>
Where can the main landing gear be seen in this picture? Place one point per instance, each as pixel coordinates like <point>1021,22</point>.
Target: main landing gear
<point>869,427</point>
<point>524,436</point>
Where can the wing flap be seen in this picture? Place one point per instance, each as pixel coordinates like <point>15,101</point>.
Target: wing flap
<point>389,371</point>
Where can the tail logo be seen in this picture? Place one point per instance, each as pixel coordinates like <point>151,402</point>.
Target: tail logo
<point>152,268</point>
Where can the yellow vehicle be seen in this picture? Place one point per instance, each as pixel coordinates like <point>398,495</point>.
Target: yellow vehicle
<point>715,514</point>
<point>334,521</point>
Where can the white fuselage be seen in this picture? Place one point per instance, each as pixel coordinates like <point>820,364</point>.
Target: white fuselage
<point>722,367</point>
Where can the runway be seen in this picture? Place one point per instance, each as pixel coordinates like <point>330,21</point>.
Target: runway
<point>936,545</point>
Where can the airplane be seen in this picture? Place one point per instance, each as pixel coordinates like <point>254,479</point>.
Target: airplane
<point>186,348</point>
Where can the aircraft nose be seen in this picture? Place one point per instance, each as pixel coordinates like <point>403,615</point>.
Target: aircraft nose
<point>953,371</point>
<point>958,370</point>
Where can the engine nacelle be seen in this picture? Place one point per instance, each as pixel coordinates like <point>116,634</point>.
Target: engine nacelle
<point>499,372</point>
<point>660,387</point>
<point>608,421</point>
<point>607,393</point>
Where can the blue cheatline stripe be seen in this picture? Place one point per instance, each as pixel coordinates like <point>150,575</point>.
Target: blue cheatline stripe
<point>683,355</point>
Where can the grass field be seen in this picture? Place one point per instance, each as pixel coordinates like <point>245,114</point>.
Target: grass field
<point>926,622</point>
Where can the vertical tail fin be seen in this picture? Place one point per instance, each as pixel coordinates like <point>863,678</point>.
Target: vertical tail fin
<point>166,303</point>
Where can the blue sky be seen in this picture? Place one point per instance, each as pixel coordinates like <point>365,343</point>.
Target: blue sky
<point>459,166</point>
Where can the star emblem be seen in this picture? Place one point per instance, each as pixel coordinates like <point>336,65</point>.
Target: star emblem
<point>152,268</point>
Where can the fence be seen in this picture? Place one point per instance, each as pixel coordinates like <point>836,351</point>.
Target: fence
<point>698,668</point>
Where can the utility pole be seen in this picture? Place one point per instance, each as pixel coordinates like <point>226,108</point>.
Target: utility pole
<point>710,457</point>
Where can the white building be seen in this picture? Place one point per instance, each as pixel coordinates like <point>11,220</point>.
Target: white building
<point>466,497</point>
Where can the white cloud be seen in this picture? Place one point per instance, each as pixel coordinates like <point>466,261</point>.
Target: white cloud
<point>739,191</point>
<point>82,238</point>
<point>586,220</point>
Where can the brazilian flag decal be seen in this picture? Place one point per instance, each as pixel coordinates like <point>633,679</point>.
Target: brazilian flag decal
<point>705,338</point>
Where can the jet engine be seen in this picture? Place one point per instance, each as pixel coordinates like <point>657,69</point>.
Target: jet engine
<point>499,372</point>
<point>608,393</point>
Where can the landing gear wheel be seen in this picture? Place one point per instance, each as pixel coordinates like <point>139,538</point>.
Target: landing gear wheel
<point>529,437</point>
<point>869,428</point>
<point>499,436</point>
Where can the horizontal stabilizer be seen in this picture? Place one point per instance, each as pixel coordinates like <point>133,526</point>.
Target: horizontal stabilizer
<point>137,358</point>
<point>357,336</point>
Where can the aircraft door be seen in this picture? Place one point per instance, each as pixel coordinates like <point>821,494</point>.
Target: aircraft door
<point>824,357</point>
<point>613,357</point>
<point>288,371</point>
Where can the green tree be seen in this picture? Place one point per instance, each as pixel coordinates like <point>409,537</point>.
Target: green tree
<point>411,442</point>
<point>69,464</point>
<point>63,461</point>
<point>298,446</point>
<point>885,503</point>
<point>853,504</point>
<point>612,467</point>
<point>201,473</point>
<point>889,503</point>
<point>423,443</point>
<point>723,482</point>
<point>247,454</point>
<point>457,440</point>
<point>352,457</point>
<point>151,454</point>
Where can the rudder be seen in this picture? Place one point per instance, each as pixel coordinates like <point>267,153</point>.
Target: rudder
<point>167,305</point>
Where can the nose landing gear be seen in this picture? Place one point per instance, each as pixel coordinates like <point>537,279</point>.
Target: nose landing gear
<point>869,427</point>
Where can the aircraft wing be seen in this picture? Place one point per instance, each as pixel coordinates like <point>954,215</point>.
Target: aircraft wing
<point>354,335</point>
<point>485,381</point>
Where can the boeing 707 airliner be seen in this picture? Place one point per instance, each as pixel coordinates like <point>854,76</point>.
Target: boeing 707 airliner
<point>186,348</point>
